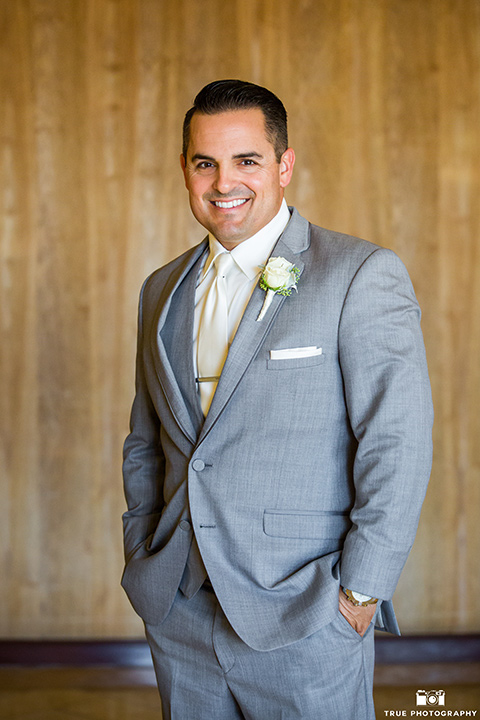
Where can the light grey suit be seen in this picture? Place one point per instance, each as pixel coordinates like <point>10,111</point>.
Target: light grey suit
<point>306,473</point>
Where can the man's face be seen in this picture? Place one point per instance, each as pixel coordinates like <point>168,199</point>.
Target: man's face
<point>232,176</point>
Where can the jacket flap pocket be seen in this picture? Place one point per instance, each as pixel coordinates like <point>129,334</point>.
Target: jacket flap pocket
<point>306,524</point>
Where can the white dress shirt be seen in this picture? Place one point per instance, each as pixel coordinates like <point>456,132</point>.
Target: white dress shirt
<point>249,256</point>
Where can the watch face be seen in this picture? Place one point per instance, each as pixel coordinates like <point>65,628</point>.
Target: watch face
<point>358,599</point>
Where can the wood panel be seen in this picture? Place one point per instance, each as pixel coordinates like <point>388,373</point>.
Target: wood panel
<point>384,107</point>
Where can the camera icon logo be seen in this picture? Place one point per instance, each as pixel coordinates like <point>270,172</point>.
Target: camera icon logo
<point>429,698</point>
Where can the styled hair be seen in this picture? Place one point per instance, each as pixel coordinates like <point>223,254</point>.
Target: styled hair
<point>226,95</point>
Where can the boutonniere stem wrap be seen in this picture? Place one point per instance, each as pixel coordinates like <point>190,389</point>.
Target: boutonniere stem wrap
<point>279,276</point>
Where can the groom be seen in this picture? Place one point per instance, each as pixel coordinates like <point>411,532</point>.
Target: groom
<point>280,449</point>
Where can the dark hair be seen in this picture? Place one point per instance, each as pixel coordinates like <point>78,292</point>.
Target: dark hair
<point>224,95</point>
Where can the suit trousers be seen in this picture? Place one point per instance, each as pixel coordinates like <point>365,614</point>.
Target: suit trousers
<point>206,672</point>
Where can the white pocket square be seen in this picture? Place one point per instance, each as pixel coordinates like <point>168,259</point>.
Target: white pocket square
<point>292,353</point>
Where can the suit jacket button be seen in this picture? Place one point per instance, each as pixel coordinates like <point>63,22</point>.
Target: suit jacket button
<point>198,465</point>
<point>185,525</point>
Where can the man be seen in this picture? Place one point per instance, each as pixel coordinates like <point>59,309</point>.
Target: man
<point>279,449</point>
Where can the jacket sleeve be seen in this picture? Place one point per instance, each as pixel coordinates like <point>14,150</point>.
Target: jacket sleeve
<point>143,459</point>
<point>388,398</point>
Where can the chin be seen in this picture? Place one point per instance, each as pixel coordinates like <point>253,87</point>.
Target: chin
<point>229,234</point>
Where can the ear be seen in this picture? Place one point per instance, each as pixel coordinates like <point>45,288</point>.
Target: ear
<point>287,161</point>
<point>183,165</point>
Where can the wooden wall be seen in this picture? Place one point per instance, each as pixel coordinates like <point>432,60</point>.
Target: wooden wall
<point>384,106</point>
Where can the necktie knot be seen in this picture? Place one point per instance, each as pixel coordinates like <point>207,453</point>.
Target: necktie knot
<point>223,264</point>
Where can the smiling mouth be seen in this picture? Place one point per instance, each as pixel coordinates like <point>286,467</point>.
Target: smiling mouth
<point>227,204</point>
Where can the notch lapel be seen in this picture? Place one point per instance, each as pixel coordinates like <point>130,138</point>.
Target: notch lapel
<point>171,344</point>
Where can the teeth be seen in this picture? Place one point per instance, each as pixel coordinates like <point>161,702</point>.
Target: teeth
<point>231,204</point>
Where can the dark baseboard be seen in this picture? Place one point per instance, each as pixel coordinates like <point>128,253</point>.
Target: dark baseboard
<point>75,653</point>
<point>414,649</point>
<point>389,650</point>
<point>400,661</point>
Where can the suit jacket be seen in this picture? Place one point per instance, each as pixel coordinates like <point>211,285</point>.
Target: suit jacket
<point>306,472</point>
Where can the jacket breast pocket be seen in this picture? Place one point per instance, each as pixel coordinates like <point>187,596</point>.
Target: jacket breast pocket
<point>321,524</point>
<point>295,363</point>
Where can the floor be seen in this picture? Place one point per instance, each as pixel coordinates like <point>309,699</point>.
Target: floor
<point>123,694</point>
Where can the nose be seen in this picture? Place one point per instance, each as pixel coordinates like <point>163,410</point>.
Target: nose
<point>224,180</point>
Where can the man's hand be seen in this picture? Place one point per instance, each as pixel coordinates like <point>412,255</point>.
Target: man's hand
<point>358,617</point>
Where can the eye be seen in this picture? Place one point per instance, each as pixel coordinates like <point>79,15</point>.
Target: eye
<point>204,165</point>
<point>248,162</point>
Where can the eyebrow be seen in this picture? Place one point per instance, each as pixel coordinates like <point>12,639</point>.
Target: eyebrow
<point>239,156</point>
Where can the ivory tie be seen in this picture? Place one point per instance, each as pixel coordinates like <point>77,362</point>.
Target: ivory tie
<point>212,343</point>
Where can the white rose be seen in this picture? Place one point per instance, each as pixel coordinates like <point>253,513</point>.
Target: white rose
<point>278,274</point>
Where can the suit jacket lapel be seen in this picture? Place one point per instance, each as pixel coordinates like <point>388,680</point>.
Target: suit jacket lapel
<point>171,344</point>
<point>250,333</point>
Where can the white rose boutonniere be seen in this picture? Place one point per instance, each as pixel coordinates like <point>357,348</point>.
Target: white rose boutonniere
<point>279,276</point>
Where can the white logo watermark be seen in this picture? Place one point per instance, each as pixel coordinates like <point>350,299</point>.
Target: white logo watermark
<point>431,703</point>
<point>430,697</point>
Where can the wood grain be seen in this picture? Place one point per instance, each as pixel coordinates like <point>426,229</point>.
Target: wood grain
<point>384,109</point>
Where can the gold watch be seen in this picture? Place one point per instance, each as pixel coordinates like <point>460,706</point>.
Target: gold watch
<point>358,599</point>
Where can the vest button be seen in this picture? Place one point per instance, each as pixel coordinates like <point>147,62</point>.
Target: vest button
<point>198,465</point>
<point>185,525</point>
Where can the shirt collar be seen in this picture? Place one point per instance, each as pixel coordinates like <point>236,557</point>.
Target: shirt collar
<point>254,252</point>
